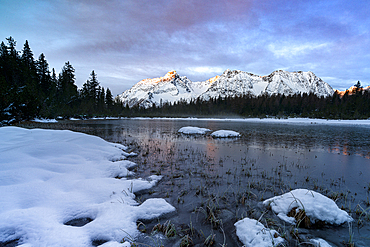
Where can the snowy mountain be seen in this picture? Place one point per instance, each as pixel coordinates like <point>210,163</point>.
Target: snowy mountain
<point>147,92</point>
<point>352,90</point>
<point>288,83</point>
<point>174,88</point>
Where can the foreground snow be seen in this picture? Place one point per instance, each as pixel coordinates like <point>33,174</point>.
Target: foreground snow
<point>189,130</point>
<point>225,134</point>
<point>49,177</point>
<point>316,206</point>
<point>254,234</point>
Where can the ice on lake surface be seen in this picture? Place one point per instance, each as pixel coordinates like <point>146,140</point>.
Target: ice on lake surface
<point>210,181</point>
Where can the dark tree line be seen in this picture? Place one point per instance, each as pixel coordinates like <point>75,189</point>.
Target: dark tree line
<point>348,106</point>
<point>28,88</point>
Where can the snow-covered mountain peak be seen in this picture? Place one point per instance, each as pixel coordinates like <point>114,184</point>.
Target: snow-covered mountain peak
<point>170,75</point>
<point>230,73</point>
<point>231,83</point>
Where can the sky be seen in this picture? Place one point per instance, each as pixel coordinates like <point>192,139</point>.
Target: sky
<point>125,41</point>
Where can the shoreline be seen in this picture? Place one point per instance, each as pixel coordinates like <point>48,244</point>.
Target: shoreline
<point>365,122</point>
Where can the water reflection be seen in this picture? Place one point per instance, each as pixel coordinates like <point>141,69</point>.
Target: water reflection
<point>346,140</point>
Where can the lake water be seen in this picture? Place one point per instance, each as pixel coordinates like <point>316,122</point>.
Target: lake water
<point>214,182</point>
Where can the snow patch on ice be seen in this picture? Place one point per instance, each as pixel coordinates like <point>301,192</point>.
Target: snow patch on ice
<point>254,234</point>
<point>315,205</point>
<point>190,130</point>
<point>49,177</point>
<point>225,134</point>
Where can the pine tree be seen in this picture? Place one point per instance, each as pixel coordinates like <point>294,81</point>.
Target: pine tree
<point>12,64</point>
<point>358,84</point>
<point>90,89</point>
<point>43,74</point>
<point>109,99</point>
<point>67,89</point>
<point>66,82</point>
<point>11,47</point>
<point>5,97</point>
<point>27,56</point>
<point>93,87</point>
<point>101,100</point>
<point>30,95</point>
<point>85,91</point>
<point>358,87</point>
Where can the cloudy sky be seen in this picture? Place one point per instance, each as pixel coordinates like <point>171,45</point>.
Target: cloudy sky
<point>126,41</point>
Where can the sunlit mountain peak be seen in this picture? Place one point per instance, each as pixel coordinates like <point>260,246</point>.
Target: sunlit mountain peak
<point>352,90</point>
<point>169,76</point>
<point>213,79</point>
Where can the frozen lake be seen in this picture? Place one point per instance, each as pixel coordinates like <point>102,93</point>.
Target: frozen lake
<point>230,177</point>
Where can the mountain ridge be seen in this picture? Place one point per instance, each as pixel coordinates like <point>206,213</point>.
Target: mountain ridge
<point>231,83</point>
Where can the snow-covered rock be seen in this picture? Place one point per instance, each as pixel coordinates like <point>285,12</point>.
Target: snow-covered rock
<point>50,177</point>
<point>173,88</point>
<point>319,242</point>
<point>190,130</point>
<point>225,134</point>
<point>254,234</point>
<point>315,205</point>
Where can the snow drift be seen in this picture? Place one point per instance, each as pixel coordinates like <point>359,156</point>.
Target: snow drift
<point>51,177</point>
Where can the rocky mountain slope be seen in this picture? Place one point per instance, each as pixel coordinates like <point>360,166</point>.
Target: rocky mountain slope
<point>173,88</point>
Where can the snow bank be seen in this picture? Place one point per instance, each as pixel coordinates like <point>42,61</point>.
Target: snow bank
<point>315,205</point>
<point>225,134</point>
<point>189,130</point>
<point>253,234</point>
<point>50,177</point>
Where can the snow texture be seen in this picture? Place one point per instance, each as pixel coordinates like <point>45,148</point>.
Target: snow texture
<point>316,206</point>
<point>319,242</point>
<point>50,177</point>
<point>174,88</point>
<point>225,134</point>
<point>189,130</point>
<point>254,234</point>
